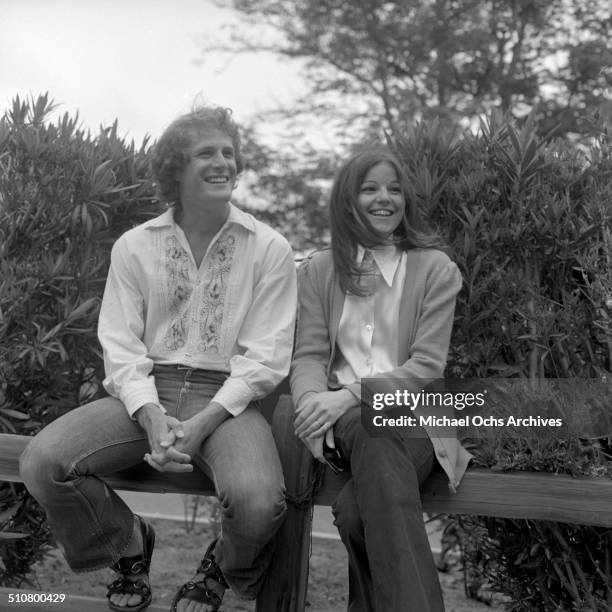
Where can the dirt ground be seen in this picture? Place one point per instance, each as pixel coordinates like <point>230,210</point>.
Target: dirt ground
<point>177,553</point>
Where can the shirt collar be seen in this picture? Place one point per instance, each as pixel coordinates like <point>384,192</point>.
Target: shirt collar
<point>236,215</point>
<point>387,259</point>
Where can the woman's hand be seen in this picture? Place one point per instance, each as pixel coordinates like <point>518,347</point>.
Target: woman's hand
<point>317,412</point>
<point>315,444</point>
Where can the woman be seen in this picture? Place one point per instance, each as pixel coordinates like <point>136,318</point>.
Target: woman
<point>379,304</point>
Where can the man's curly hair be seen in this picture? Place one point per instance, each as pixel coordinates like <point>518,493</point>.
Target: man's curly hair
<point>171,152</point>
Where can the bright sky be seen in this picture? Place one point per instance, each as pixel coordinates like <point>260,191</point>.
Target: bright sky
<point>135,60</point>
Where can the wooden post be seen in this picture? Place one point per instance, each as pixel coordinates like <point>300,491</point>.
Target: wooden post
<point>286,583</point>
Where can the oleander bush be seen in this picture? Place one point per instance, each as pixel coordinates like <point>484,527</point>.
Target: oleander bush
<point>529,221</point>
<point>65,196</point>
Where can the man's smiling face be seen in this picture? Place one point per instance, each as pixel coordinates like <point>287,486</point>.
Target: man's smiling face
<point>210,173</point>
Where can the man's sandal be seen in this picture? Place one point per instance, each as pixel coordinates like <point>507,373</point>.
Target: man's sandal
<point>201,590</point>
<point>130,567</point>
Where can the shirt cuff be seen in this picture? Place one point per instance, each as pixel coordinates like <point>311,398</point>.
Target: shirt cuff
<point>235,395</point>
<point>137,397</point>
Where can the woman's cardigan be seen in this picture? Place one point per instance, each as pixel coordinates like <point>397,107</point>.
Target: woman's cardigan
<point>426,319</point>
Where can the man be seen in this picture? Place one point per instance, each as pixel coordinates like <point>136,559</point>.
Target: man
<point>196,324</point>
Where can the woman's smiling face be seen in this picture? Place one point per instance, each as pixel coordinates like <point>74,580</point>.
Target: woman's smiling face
<point>381,200</point>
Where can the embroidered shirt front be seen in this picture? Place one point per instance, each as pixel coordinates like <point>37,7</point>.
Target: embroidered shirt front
<point>234,313</point>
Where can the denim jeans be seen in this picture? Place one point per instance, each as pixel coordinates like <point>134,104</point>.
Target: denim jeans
<point>379,517</point>
<point>63,467</point>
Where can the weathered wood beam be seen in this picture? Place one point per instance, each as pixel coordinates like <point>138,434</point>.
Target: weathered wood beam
<point>519,495</point>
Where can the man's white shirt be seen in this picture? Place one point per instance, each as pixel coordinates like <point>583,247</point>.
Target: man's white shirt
<point>235,313</point>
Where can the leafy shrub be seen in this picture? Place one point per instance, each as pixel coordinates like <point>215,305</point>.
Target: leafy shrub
<point>529,223</point>
<point>65,196</point>
<point>530,226</point>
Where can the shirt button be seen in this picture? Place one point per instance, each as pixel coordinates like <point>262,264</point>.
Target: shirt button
<point>369,327</point>
<point>442,453</point>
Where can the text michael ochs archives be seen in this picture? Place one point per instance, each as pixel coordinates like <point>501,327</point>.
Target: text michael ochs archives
<point>458,401</point>
<point>472,406</point>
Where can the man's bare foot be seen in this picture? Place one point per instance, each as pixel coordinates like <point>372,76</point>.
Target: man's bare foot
<point>131,591</point>
<point>204,592</point>
<point>190,605</point>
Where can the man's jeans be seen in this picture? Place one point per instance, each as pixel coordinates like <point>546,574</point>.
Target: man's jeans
<point>64,465</point>
<point>378,514</point>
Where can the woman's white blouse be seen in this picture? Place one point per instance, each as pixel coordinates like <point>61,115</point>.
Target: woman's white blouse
<point>367,335</point>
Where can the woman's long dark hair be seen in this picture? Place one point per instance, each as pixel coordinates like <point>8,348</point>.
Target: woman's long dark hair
<point>350,226</point>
